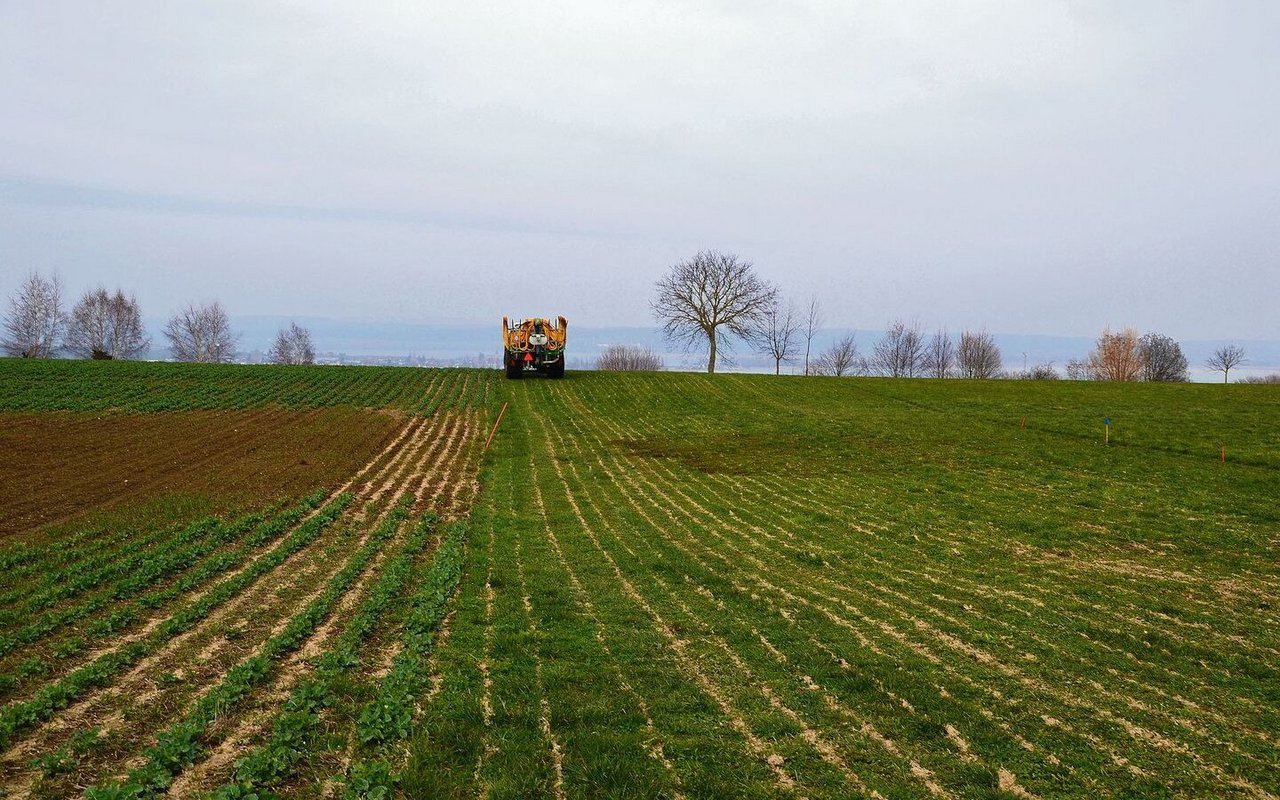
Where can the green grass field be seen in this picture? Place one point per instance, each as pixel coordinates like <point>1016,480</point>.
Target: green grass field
<point>674,585</point>
<point>753,586</point>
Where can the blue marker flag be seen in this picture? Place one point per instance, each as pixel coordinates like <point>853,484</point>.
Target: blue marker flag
<point>1106,420</point>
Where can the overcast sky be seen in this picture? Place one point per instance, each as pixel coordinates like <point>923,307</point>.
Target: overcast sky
<point>1029,167</point>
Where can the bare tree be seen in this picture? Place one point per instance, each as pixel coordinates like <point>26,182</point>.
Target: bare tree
<point>1040,372</point>
<point>1116,357</point>
<point>840,359</point>
<point>779,334</point>
<point>899,353</point>
<point>1273,379</point>
<point>201,333</point>
<point>292,346</point>
<point>629,358</point>
<point>1078,370</point>
<point>711,291</point>
<point>1226,358</point>
<point>1162,359</point>
<point>939,355</point>
<point>978,356</point>
<point>812,322</point>
<point>36,319</point>
<point>106,326</point>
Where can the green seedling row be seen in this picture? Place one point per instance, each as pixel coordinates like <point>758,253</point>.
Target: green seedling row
<point>259,534</point>
<point>296,730</point>
<point>50,698</point>
<point>181,744</point>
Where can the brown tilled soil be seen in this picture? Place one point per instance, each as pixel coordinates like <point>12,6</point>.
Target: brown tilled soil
<point>434,459</point>
<point>63,467</point>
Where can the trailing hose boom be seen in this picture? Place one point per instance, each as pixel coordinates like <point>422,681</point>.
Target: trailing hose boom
<point>535,345</point>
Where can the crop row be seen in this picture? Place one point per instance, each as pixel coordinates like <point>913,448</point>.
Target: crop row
<point>19,716</point>
<point>182,563</point>
<point>124,576</point>
<point>296,731</point>
<point>71,557</point>
<point>183,743</point>
<point>147,387</point>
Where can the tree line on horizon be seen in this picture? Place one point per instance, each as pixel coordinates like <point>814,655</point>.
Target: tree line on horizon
<point>713,299</point>
<point>716,298</point>
<point>106,326</point>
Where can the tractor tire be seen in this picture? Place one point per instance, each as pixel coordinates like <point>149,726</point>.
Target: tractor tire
<point>515,370</point>
<point>556,370</point>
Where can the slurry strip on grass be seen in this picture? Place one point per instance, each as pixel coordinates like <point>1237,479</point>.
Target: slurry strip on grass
<point>539,680</point>
<point>448,754</point>
<point>642,541</point>
<point>689,665</point>
<point>654,741</point>
<point>664,504</point>
<point>698,739</point>
<point>21,716</point>
<point>182,743</point>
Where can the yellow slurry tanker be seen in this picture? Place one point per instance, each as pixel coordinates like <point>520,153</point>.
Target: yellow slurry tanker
<point>535,345</point>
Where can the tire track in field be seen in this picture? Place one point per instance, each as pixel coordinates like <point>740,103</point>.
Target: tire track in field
<point>259,593</point>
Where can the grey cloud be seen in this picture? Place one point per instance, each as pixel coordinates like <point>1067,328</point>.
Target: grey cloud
<point>1036,168</point>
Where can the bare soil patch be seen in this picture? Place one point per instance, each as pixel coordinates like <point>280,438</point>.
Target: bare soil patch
<point>108,468</point>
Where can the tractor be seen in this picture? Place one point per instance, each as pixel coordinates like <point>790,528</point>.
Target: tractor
<point>534,345</point>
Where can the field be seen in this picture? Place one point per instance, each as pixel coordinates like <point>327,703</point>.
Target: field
<point>650,585</point>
